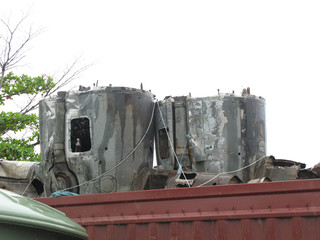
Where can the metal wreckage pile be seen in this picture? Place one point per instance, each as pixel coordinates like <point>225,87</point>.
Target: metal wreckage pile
<point>103,140</point>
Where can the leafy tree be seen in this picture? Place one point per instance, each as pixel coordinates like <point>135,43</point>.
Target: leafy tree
<point>13,148</point>
<point>19,130</point>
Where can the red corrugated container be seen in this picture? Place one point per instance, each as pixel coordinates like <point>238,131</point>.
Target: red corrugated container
<point>276,210</point>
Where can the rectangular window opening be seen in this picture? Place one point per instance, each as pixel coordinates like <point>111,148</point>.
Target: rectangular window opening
<point>80,135</point>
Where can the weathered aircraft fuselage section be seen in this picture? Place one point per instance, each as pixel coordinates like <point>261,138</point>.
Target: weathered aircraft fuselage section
<point>211,134</point>
<point>100,140</point>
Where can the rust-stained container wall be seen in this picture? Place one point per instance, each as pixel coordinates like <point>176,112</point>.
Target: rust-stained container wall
<point>212,134</point>
<point>276,210</point>
<point>88,133</point>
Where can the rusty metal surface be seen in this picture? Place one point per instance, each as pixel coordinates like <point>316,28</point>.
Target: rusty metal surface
<point>276,210</point>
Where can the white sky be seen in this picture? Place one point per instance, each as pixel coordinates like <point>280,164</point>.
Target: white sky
<point>177,47</point>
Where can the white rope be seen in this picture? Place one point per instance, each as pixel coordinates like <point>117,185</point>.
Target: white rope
<point>231,171</point>
<point>171,145</point>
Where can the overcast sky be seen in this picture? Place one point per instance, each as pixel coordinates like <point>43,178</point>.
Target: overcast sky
<point>177,47</point>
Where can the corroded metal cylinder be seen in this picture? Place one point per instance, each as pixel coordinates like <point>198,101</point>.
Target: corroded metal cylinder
<point>212,134</point>
<point>108,136</point>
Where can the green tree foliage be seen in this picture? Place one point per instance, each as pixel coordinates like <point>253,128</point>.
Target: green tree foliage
<point>13,145</point>
<point>19,130</point>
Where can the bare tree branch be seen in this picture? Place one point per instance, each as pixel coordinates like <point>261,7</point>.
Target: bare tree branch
<point>25,109</point>
<point>15,39</point>
<point>12,53</point>
<point>71,73</point>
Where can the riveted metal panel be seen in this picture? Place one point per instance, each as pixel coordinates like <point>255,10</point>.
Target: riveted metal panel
<point>276,210</point>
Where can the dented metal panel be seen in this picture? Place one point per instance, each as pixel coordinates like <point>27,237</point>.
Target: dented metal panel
<point>281,169</point>
<point>276,210</point>
<point>100,128</point>
<point>213,134</point>
<point>160,179</point>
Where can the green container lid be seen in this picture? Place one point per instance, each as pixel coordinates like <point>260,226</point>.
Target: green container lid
<point>25,213</point>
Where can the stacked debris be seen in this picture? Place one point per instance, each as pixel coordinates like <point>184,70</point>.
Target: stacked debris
<point>282,170</point>
<point>102,140</point>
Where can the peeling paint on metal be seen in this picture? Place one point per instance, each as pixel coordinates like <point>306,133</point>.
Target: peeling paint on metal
<point>118,118</point>
<point>223,133</point>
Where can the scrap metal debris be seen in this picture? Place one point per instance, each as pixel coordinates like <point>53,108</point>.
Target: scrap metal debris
<point>102,140</point>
